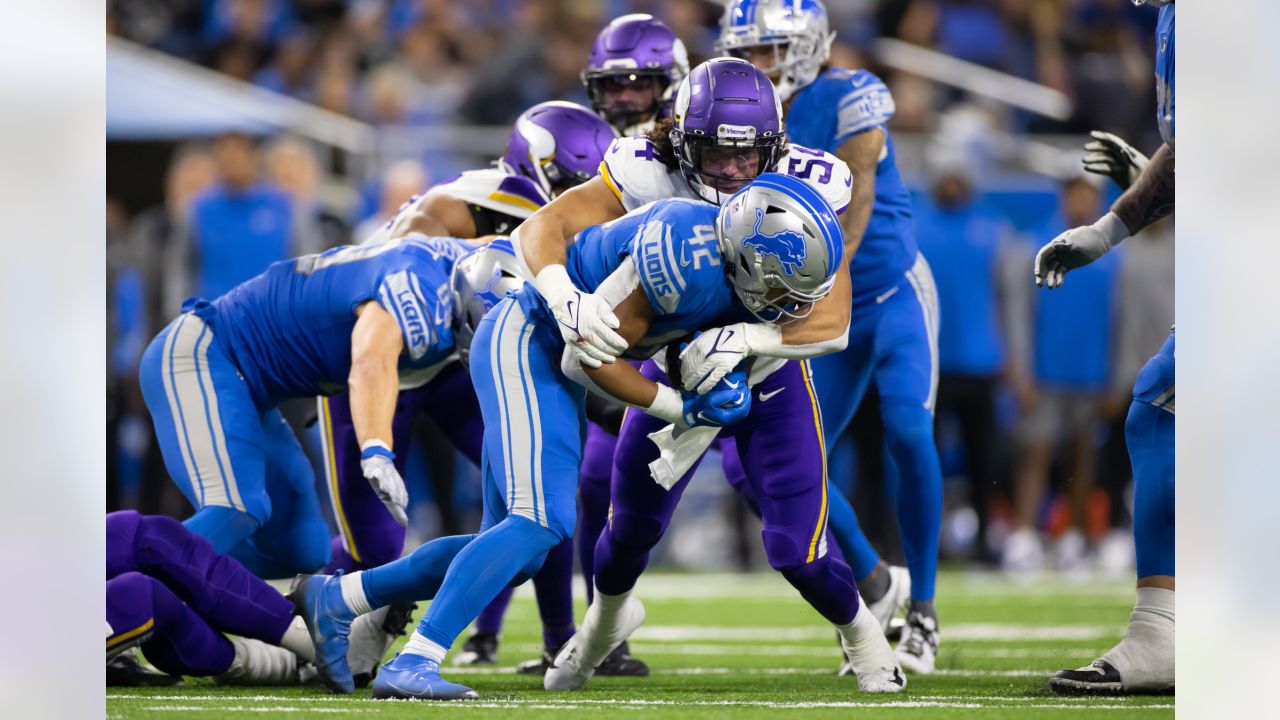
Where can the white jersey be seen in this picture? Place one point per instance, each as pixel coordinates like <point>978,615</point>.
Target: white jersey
<point>631,169</point>
<point>492,188</point>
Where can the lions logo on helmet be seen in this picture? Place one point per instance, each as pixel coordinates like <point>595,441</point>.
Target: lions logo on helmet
<point>782,245</point>
<point>480,280</point>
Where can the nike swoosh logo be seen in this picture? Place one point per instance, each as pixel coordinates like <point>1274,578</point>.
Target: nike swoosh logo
<point>732,386</point>
<point>766,396</point>
<point>886,296</point>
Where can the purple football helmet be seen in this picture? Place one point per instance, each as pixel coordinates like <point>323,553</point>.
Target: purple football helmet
<point>728,127</point>
<point>558,145</point>
<point>633,66</point>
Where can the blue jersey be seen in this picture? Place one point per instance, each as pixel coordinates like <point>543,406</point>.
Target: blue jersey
<point>823,115</point>
<point>238,234</point>
<point>1164,73</point>
<point>671,246</point>
<point>288,330</point>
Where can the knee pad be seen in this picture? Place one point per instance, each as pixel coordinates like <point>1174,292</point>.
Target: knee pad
<point>907,424</point>
<point>224,527</point>
<point>785,550</point>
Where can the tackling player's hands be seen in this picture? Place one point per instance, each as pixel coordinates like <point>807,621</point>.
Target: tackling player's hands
<point>711,356</point>
<point>586,320</point>
<point>378,468</point>
<point>1108,155</point>
<point>1077,247</point>
<point>728,402</point>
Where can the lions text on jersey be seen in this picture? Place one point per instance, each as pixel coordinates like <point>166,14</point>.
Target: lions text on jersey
<point>824,114</point>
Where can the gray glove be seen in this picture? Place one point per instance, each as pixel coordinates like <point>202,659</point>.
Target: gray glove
<point>376,463</point>
<point>1108,155</point>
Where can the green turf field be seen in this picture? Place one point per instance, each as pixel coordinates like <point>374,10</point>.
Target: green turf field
<point>748,646</point>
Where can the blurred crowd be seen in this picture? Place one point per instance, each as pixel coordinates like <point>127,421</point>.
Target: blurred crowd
<point>1034,385</point>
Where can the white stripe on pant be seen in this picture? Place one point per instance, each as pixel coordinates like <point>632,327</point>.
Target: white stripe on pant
<point>197,419</point>
<point>921,279</point>
<point>518,403</point>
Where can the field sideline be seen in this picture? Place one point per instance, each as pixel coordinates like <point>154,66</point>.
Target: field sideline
<point>747,645</point>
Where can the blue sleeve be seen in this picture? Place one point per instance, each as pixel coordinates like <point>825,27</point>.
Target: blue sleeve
<point>423,318</point>
<point>864,103</point>
<point>677,257</point>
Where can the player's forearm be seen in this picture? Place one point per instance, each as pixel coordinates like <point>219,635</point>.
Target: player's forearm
<point>1151,195</point>
<point>541,240</point>
<point>373,386</point>
<point>855,219</point>
<point>826,329</point>
<point>624,383</point>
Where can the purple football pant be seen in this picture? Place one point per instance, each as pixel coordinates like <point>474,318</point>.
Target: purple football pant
<point>161,573</point>
<point>780,447</point>
<point>368,535</point>
<point>141,610</point>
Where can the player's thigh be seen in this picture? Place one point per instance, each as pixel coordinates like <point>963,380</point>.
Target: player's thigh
<point>906,343</point>
<point>205,420</point>
<point>533,416</point>
<point>297,533</point>
<point>781,448</point>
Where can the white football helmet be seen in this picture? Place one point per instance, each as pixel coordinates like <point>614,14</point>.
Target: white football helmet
<point>798,26</point>
<point>480,280</point>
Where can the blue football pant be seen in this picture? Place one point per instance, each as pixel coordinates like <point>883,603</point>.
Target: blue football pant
<point>1149,434</point>
<point>239,465</point>
<point>893,338</point>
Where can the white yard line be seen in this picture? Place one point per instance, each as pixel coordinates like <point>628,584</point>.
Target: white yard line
<point>959,631</point>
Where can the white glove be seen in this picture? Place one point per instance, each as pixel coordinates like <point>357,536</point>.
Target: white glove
<point>714,353</point>
<point>586,320</point>
<point>376,464</point>
<point>1077,247</point>
<point>1111,156</point>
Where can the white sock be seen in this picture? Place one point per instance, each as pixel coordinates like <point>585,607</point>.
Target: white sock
<point>353,593</point>
<point>419,645</point>
<point>1144,657</point>
<point>858,636</point>
<point>297,640</point>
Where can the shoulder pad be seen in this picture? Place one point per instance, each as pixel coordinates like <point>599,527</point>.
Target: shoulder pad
<point>494,189</point>
<point>863,102</point>
<point>827,174</point>
<point>634,173</point>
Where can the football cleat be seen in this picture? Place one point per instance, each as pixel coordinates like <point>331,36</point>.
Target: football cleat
<point>479,649</point>
<point>869,657</point>
<point>1096,678</point>
<point>371,637</point>
<point>619,663</point>
<point>894,599</point>
<point>539,666</point>
<point>126,670</point>
<point>257,663</point>
<point>599,635</point>
<point>318,599</point>
<point>415,677</point>
<point>918,649</point>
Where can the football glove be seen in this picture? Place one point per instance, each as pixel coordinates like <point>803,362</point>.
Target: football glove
<point>1108,155</point>
<point>714,353</point>
<point>1077,247</point>
<point>728,402</point>
<point>378,468</point>
<point>586,320</point>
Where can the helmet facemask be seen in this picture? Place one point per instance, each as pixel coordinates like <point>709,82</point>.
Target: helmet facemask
<point>718,167</point>
<point>622,116</point>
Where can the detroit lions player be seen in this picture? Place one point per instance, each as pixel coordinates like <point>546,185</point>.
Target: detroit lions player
<point>531,386</point>
<point>553,146</point>
<point>1144,660</point>
<point>353,317</point>
<point>894,330</point>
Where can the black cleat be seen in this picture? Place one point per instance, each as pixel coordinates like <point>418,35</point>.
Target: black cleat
<point>480,649</point>
<point>537,667</point>
<point>1096,678</point>
<point>619,663</point>
<point>124,670</point>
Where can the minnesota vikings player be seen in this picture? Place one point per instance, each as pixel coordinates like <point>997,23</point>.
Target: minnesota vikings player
<point>894,331</point>
<point>635,64</point>
<point>553,147</point>
<point>353,317</point>
<point>1143,662</point>
<point>531,384</point>
<point>170,593</point>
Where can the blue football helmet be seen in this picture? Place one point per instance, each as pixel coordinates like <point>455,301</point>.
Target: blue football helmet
<point>782,245</point>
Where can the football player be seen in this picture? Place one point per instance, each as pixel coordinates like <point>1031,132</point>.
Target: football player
<point>894,332</point>
<point>1143,661</point>
<point>169,592</point>
<point>635,64</point>
<point>553,147</point>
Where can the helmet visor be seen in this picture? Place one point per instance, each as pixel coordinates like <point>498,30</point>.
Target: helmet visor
<point>728,168</point>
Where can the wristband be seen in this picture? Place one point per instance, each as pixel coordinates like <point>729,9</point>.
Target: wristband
<point>667,405</point>
<point>374,448</point>
<point>553,283</point>
<point>763,339</point>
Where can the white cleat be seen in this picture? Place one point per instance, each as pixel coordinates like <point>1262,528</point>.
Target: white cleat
<point>602,631</point>
<point>257,663</point>
<point>894,599</point>
<point>918,649</point>
<point>869,657</point>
